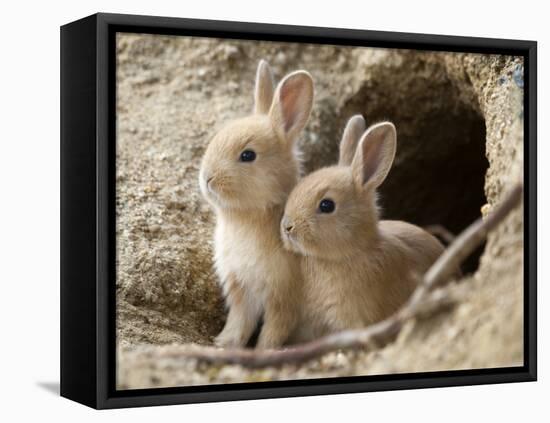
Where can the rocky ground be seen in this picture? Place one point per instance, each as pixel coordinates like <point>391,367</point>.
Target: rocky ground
<point>460,145</point>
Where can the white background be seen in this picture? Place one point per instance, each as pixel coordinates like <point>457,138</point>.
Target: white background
<point>29,207</point>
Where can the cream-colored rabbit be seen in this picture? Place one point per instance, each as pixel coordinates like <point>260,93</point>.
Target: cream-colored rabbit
<point>247,172</point>
<point>357,269</point>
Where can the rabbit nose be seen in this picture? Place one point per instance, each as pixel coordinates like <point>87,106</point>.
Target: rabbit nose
<point>287,225</point>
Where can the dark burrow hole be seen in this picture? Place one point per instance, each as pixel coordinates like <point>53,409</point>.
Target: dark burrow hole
<point>438,175</point>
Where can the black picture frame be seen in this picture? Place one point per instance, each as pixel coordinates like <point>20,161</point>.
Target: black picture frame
<point>88,210</point>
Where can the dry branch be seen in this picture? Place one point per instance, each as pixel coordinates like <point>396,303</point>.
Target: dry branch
<point>471,238</point>
<point>379,334</point>
<point>375,336</point>
<point>441,232</point>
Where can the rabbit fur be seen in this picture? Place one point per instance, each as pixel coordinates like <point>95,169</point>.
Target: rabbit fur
<point>357,270</point>
<point>260,279</point>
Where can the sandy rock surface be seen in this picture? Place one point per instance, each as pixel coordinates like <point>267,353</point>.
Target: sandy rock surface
<point>460,145</point>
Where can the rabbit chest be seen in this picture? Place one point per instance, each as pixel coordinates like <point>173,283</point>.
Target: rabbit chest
<point>340,297</point>
<point>252,252</point>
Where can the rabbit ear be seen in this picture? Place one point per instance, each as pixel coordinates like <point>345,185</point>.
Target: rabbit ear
<point>374,155</point>
<point>263,91</point>
<point>354,129</point>
<point>292,104</point>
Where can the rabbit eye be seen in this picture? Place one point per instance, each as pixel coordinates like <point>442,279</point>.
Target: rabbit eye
<point>326,206</point>
<point>248,156</point>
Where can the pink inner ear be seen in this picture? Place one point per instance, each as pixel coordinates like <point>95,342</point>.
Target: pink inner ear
<point>289,99</point>
<point>372,157</point>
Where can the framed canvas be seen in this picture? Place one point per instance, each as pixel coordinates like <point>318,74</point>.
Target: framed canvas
<point>258,211</point>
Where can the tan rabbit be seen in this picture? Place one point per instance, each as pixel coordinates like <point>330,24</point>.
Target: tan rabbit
<point>247,172</point>
<point>357,269</point>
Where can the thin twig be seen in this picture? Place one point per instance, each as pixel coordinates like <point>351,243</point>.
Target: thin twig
<point>441,232</point>
<point>379,334</point>
<point>375,336</point>
<point>471,238</point>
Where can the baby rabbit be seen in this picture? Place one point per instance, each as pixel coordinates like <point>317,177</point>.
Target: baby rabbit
<point>247,173</point>
<point>357,269</point>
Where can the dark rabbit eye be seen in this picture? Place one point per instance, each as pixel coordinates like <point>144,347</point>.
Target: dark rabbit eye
<point>248,156</point>
<point>326,206</point>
